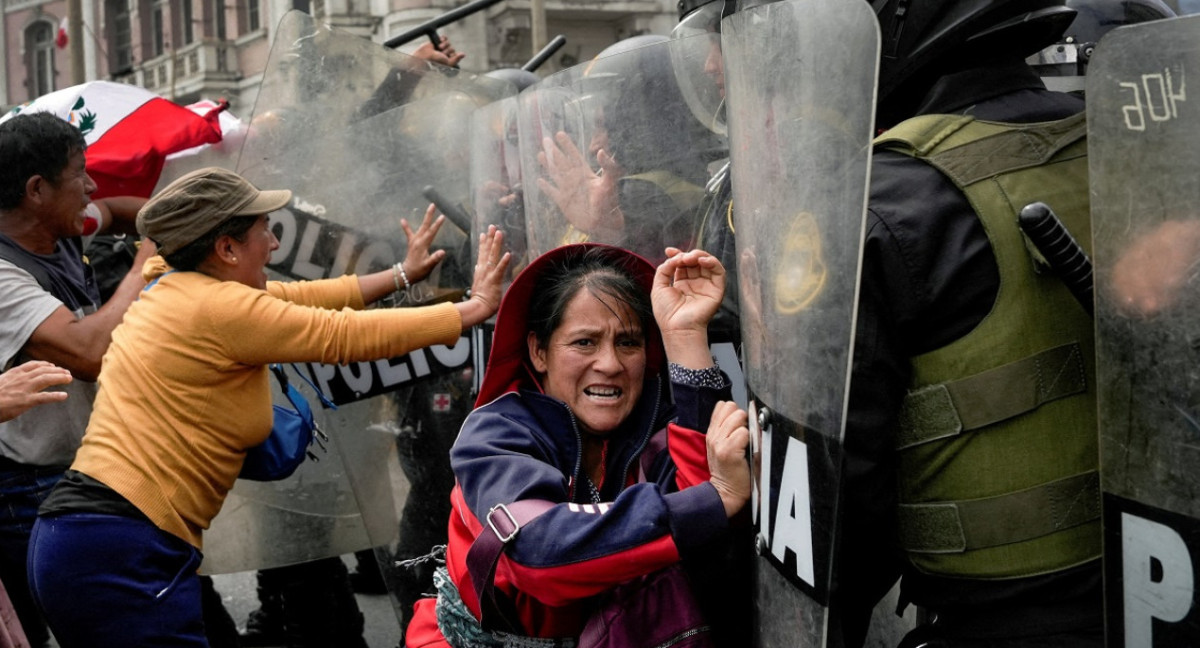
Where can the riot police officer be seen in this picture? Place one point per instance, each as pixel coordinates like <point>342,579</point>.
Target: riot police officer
<point>958,441</point>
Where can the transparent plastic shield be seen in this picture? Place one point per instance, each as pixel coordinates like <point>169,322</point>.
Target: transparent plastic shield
<point>497,193</point>
<point>1143,157</point>
<point>611,153</point>
<point>312,514</point>
<point>359,133</point>
<point>801,121</point>
<point>496,184</point>
<point>698,65</point>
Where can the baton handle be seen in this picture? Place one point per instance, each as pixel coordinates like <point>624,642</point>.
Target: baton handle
<point>545,53</point>
<point>431,26</point>
<point>454,212</point>
<point>1064,255</point>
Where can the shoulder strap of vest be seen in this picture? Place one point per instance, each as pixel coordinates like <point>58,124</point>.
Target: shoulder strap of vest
<point>9,253</point>
<point>919,135</point>
<point>967,156</point>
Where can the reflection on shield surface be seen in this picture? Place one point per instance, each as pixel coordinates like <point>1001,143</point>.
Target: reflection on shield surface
<point>1143,157</point>
<point>800,124</point>
<point>611,152</point>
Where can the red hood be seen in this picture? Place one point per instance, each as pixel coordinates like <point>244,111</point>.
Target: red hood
<point>508,365</point>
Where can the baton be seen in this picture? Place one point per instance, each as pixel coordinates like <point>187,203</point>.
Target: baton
<point>1063,254</point>
<point>430,27</point>
<point>545,53</point>
<point>454,212</point>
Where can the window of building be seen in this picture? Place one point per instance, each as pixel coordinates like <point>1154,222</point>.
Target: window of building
<point>39,51</point>
<point>253,17</point>
<point>185,17</point>
<point>216,18</point>
<point>302,5</point>
<point>157,33</point>
<point>120,36</point>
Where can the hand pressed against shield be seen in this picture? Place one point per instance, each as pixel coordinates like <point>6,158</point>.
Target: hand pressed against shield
<point>728,436</point>
<point>586,197</point>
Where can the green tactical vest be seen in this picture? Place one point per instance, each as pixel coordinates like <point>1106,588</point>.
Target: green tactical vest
<point>997,448</point>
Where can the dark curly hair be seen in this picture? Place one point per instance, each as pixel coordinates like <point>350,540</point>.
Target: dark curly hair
<point>34,144</point>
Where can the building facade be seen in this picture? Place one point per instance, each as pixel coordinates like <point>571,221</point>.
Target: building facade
<point>187,50</point>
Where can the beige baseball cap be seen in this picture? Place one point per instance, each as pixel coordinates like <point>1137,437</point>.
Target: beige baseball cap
<point>193,205</point>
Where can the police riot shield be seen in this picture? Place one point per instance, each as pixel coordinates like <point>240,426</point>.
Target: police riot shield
<point>496,187</point>
<point>358,153</point>
<point>611,153</point>
<point>1143,155</point>
<point>372,135</point>
<point>800,126</point>
<point>496,199</point>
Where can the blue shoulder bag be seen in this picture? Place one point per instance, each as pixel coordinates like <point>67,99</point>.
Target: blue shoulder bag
<point>293,431</point>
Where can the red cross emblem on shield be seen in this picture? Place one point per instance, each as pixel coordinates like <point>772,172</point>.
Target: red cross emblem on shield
<point>441,402</point>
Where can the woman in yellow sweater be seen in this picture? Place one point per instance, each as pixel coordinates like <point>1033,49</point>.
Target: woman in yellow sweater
<point>184,391</point>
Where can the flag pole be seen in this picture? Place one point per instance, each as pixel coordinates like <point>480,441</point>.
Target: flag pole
<point>75,41</point>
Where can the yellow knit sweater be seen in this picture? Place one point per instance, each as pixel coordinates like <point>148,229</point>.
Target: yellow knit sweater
<point>184,388</point>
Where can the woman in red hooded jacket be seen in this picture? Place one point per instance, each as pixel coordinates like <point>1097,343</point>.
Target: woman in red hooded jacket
<point>596,354</point>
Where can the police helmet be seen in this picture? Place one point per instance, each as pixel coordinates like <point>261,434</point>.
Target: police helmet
<point>1063,64</point>
<point>921,41</point>
<point>633,84</point>
<point>696,54</point>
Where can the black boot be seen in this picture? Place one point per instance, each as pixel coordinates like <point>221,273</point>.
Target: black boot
<point>366,577</point>
<point>319,608</point>
<point>264,626</point>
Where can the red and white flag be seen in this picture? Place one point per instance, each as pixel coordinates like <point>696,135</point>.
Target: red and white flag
<point>129,131</point>
<point>60,39</point>
<point>233,130</point>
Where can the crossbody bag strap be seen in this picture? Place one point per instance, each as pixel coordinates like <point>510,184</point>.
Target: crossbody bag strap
<point>501,525</point>
<point>654,447</point>
<point>317,390</point>
<point>300,404</point>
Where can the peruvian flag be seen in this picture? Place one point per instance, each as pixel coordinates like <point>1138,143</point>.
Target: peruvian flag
<point>233,130</point>
<point>129,132</point>
<point>60,39</point>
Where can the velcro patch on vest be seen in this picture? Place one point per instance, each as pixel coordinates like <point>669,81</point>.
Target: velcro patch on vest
<point>939,411</point>
<point>966,525</point>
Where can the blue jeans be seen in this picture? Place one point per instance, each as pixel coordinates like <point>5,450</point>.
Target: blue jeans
<point>110,581</point>
<point>22,490</point>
